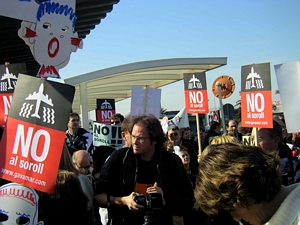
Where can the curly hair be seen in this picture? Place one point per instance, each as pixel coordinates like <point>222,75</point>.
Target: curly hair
<point>117,116</point>
<point>233,174</point>
<point>225,138</point>
<point>169,146</point>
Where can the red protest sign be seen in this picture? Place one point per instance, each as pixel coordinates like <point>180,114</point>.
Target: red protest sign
<point>196,100</point>
<point>103,116</point>
<point>35,132</point>
<point>105,109</point>
<point>9,76</point>
<point>34,155</point>
<point>256,96</point>
<point>5,101</point>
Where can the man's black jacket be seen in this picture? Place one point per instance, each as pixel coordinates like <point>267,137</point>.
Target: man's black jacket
<point>117,178</point>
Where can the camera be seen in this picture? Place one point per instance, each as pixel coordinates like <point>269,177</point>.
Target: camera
<point>152,203</point>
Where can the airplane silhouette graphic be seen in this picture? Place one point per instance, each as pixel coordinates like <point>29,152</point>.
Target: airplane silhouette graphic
<point>105,104</point>
<point>39,97</point>
<point>8,76</point>
<point>194,80</point>
<point>252,75</point>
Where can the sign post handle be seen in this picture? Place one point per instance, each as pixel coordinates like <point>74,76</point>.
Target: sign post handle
<point>221,105</point>
<point>255,136</point>
<point>198,135</point>
<point>145,98</point>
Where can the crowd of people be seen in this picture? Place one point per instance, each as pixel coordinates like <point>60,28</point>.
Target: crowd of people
<point>169,178</point>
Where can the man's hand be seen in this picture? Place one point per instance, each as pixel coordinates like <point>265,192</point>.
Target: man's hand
<point>131,204</point>
<point>156,189</point>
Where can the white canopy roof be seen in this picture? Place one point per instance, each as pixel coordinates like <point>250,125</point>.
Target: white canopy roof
<point>116,82</point>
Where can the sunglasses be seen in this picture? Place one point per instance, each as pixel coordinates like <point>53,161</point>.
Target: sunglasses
<point>83,167</point>
<point>174,135</point>
<point>115,122</point>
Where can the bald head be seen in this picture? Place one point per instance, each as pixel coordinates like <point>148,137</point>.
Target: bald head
<point>81,160</point>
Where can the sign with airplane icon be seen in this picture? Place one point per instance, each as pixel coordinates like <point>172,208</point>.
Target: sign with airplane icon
<point>196,100</point>
<point>34,136</point>
<point>8,81</point>
<point>105,109</point>
<point>256,96</point>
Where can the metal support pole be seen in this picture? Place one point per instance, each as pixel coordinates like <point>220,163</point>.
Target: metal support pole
<point>221,105</point>
<point>84,106</point>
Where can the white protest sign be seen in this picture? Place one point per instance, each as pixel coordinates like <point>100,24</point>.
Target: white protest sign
<point>181,119</point>
<point>288,81</point>
<point>104,134</point>
<point>145,101</point>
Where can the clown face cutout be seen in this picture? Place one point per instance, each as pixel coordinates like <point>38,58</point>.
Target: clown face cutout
<point>51,38</point>
<point>18,205</point>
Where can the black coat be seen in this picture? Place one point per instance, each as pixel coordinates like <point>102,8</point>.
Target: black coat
<point>209,135</point>
<point>118,179</point>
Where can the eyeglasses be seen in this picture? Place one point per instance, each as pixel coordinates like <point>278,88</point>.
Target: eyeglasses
<point>115,122</point>
<point>173,135</point>
<point>139,139</point>
<point>261,139</point>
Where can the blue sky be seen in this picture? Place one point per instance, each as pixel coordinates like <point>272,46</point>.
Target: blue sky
<point>244,31</point>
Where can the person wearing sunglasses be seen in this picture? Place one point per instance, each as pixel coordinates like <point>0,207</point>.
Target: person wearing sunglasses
<point>116,119</point>
<point>175,136</point>
<point>81,161</point>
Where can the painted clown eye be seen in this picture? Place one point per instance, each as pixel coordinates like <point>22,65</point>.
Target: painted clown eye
<point>3,217</point>
<point>46,25</point>
<point>64,29</point>
<point>23,220</point>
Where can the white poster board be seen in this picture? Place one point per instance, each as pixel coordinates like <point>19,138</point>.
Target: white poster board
<point>181,119</point>
<point>145,100</point>
<point>288,80</point>
<point>104,134</point>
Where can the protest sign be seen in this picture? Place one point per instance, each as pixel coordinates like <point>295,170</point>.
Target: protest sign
<point>104,134</point>
<point>145,100</point>
<point>105,109</point>
<point>288,80</point>
<point>34,135</point>
<point>181,119</point>
<point>256,96</point>
<point>196,100</point>
<point>9,76</point>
